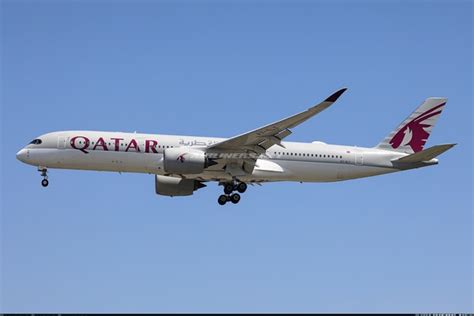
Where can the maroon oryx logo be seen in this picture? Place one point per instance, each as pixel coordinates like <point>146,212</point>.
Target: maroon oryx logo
<point>181,158</point>
<point>413,134</point>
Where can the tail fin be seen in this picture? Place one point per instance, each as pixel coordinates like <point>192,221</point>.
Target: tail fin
<point>411,135</point>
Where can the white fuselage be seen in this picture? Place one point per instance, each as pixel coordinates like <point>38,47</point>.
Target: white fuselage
<point>143,153</point>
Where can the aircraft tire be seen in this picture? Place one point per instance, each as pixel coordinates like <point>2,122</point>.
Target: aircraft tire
<point>222,199</point>
<point>235,198</point>
<point>242,187</point>
<point>228,188</point>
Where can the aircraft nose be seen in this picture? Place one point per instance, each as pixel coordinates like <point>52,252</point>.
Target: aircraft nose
<point>21,155</point>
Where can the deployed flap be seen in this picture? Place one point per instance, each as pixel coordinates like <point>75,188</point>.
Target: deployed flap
<point>426,155</point>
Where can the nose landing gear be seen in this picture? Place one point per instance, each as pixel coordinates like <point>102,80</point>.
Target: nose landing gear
<point>44,174</point>
<point>230,187</point>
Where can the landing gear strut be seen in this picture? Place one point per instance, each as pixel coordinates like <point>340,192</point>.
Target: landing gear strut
<point>44,174</point>
<point>228,189</point>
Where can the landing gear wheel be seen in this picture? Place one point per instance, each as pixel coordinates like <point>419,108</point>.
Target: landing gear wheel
<point>235,198</point>
<point>228,188</point>
<point>241,187</point>
<point>44,174</point>
<point>222,199</point>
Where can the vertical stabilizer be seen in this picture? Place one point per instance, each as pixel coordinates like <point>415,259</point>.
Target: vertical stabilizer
<point>411,135</point>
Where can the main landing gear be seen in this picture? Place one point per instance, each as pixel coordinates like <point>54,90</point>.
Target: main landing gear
<point>44,174</point>
<point>230,187</point>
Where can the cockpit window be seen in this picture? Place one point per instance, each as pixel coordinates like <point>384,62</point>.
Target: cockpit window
<point>36,141</point>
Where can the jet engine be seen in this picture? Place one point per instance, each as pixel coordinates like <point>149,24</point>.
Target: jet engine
<point>174,186</point>
<point>185,161</point>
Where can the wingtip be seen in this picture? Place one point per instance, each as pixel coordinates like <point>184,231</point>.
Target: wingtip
<point>448,146</point>
<point>333,97</point>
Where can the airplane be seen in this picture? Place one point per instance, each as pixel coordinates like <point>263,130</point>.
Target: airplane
<point>183,164</point>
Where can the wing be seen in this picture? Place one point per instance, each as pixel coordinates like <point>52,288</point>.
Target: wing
<point>259,140</point>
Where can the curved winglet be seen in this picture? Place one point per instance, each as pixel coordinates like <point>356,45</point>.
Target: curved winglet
<point>333,97</point>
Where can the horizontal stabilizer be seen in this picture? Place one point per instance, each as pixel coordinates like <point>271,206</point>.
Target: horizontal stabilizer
<point>426,155</point>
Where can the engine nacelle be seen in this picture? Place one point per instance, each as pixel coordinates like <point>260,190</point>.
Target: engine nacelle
<point>184,161</point>
<point>173,186</point>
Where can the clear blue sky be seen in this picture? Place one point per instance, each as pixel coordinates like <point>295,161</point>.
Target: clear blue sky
<point>104,242</point>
